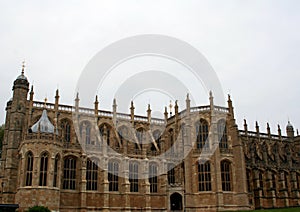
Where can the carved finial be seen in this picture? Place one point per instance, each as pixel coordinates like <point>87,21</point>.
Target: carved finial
<point>297,132</point>
<point>245,122</point>
<point>96,99</point>
<point>45,102</point>
<point>77,96</point>
<point>210,94</point>
<point>170,105</point>
<point>268,128</point>
<point>31,90</point>
<point>187,96</point>
<point>57,92</point>
<point>229,99</point>
<point>149,108</point>
<point>23,68</point>
<point>131,104</point>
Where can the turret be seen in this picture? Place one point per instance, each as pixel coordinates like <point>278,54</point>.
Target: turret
<point>290,130</point>
<point>16,117</point>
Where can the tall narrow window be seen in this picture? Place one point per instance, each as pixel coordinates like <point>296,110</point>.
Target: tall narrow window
<point>55,173</point>
<point>134,176</point>
<point>88,134</point>
<point>273,181</point>
<point>153,178</point>
<point>29,169</point>
<point>91,175</point>
<point>157,138</point>
<point>222,134</point>
<point>248,175</point>
<point>113,179</point>
<point>202,133</point>
<point>43,169</point>
<point>66,131</point>
<point>105,130</point>
<point>69,179</point>
<point>261,182</point>
<point>171,174</point>
<point>298,181</point>
<point>140,136</point>
<point>286,182</point>
<point>171,134</point>
<point>225,175</point>
<point>204,177</point>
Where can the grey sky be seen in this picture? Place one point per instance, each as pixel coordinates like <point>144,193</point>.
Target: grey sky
<point>252,45</point>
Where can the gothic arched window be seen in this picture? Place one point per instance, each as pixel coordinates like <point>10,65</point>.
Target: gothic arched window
<point>222,134</point>
<point>204,177</point>
<point>113,178</point>
<point>157,138</point>
<point>226,175</point>
<point>140,134</point>
<point>43,169</point>
<point>171,174</point>
<point>153,177</point>
<point>273,180</point>
<point>69,178</point>
<point>134,176</point>
<point>104,130</point>
<point>201,133</point>
<point>55,173</point>
<point>171,134</point>
<point>248,177</point>
<point>91,175</point>
<point>85,126</point>
<point>66,130</point>
<point>29,169</point>
<point>261,182</point>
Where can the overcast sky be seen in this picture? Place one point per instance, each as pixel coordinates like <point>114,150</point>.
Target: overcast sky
<point>253,46</point>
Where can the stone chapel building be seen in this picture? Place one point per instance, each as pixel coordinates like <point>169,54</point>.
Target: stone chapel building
<point>70,158</point>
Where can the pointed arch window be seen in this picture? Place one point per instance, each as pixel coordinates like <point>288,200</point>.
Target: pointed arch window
<point>140,136</point>
<point>171,174</point>
<point>226,175</point>
<point>171,134</point>
<point>113,178</point>
<point>69,178</point>
<point>87,128</point>
<point>157,138</point>
<point>105,131</point>
<point>261,182</point>
<point>273,180</point>
<point>43,170</point>
<point>201,133</point>
<point>298,180</point>
<point>134,176</point>
<point>248,176</point>
<point>222,134</point>
<point>204,177</point>
<point>29,169</point>
<point>153,178</point>
<point>88,134</point>
<point>285,180</point>
<point>66,130</point>
<point>91,175</point>
<point>55,173</point>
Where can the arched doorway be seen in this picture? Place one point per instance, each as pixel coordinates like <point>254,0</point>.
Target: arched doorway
<point>176,202</point>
